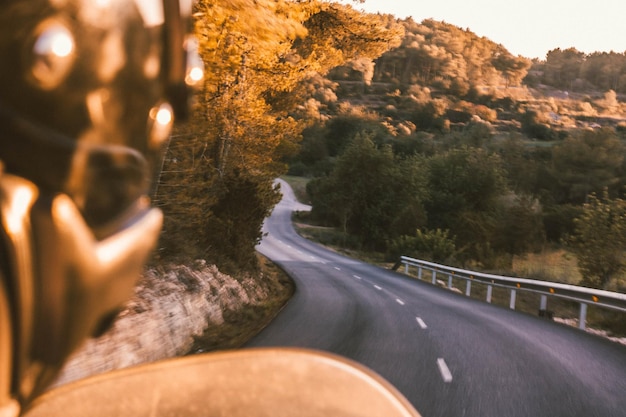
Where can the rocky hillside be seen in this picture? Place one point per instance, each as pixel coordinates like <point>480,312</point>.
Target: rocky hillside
<point>179,310</point>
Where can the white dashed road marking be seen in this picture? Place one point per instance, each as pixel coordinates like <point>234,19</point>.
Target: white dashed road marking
<point>446,375</point>
<point>443,369</point>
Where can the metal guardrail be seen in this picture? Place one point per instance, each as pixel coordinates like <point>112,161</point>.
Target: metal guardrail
<point>583,295</point>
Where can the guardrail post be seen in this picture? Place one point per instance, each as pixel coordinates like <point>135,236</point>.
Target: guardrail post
<point>489,291</point>
<point>434,274</point>
<point>450,281</point>
<point>468,288</point>
<point>512,302</point>
<point>419,272</point>
<point>543,303</point>
<point>406,268</point>
<point>582,318</point>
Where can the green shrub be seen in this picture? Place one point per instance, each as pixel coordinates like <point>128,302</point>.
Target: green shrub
<point>433,245</point>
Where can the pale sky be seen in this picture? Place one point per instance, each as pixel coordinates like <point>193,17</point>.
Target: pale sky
<point>529,28</point>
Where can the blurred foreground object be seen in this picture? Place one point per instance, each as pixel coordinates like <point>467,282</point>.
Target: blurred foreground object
<point>89,91</point>
<point>254,382</point>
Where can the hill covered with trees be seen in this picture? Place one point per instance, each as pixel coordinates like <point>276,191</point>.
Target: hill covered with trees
<point>421,138</point>
<point>449,148</point>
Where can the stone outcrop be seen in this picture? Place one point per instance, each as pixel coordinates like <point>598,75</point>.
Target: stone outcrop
<point>172,305</point>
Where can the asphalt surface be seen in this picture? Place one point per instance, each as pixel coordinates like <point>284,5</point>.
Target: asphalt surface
<point>448,354</point>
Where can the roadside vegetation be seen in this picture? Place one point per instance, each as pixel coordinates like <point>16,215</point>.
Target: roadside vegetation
<point>449,149</point>
<point>420,139</point>
<point>408,138</point>
<point>261,58</point>
<point>452,150</point>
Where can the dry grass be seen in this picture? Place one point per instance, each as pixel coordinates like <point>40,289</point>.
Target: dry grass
<point>557,265</point>
<point>550,265</point>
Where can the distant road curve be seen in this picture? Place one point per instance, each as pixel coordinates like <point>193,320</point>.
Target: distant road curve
<point>448,354</point>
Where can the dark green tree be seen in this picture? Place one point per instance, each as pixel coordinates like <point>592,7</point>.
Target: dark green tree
<point>599,241</point>
<point>464,188</point>
<point>588,162</point>
<point>520,226</point>
<point>563,67</point>
<point>605,70</point>
<point>369,192</point>
<point>521,165</point>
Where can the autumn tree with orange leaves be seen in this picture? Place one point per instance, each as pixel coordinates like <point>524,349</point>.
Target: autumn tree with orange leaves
<point>217,182</point>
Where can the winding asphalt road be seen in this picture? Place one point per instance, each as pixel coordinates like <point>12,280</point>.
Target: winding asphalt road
<point>449,355</point>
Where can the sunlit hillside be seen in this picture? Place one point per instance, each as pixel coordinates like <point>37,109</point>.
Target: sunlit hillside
<point>488,156</point>
<point>472,77</point>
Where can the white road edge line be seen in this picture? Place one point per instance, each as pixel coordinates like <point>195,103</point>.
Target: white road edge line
<point>445,372</point>
<point>421,323</point>
<point>399,301</point>
<point>377,287</point>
